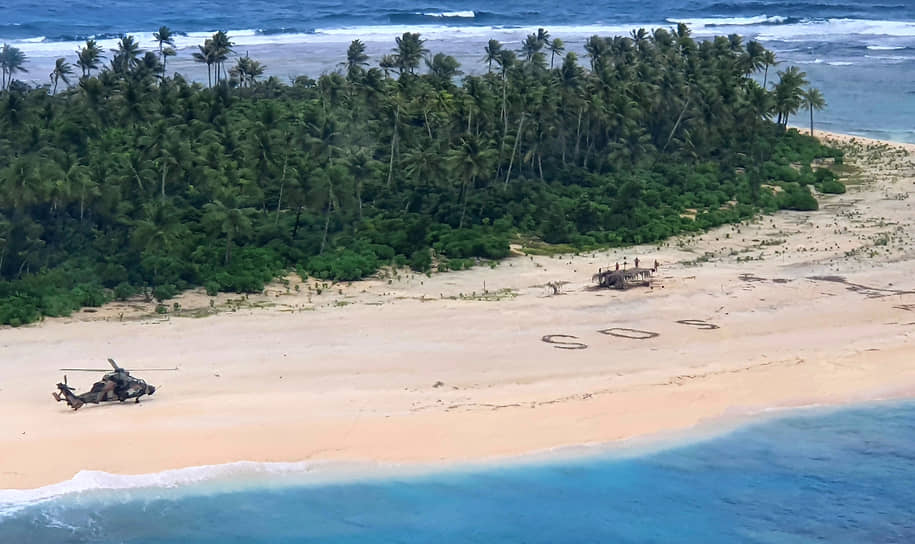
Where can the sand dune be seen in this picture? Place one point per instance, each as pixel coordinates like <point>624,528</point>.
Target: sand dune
<point>792,309</point>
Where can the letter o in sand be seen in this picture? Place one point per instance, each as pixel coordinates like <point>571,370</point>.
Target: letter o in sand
<point>634,334</point>
<point>702,324</point>
<point>549,339</point>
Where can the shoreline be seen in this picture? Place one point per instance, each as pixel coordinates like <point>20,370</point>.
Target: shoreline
<point>243,475</point>
<point>810,308</point>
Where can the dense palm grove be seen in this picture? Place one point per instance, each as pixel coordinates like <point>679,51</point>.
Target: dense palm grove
<point>119,180</point>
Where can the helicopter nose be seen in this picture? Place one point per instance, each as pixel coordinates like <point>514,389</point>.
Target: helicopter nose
<point>150,389</point>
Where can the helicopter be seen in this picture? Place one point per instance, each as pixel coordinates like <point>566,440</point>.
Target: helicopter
<point>118,385</point>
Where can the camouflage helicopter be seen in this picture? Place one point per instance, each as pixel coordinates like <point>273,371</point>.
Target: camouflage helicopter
<point>118,385</point>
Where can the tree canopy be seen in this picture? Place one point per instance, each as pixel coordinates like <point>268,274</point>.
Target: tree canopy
<point>130,181</point>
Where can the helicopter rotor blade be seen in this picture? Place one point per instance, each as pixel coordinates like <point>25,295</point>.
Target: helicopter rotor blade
<point>106,370</point>
<point>113,364</point>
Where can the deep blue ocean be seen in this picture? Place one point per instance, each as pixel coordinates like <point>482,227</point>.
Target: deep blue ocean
<point>861,54</point>
<point>845,476</point>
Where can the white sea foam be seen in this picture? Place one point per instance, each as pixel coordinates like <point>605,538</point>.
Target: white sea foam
<point>836,30</point>
<point>462,14</point>
<point>839,63</point>
<point>14,500</point>
<point>729,21</point>
<point>210,479</point>
<point>885,47</point>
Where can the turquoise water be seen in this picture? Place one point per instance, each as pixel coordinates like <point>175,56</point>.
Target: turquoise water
<point>839,477</point>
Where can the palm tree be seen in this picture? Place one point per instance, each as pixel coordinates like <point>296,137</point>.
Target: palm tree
<point>788,93</point>
<point>768,59</point>
<point>222,48</point>
<point>493,50</point>
<point>88,57</point>
<point>165,36</point>
<point>443,69</point>
<point>596,48</point>
<point>12,60</point>
<point>62,70</point>
<point>556,47</point>
<point>470,161</point>
<point>812,99</point>
<point>158,233</point>
<point>531,45</point>
<point>409,52</point>
<point>754,58</point>
<point>228,219</point>
<point>127,55</point>
<point>355,59</point>
<point>246,71</point>
<point>206,54</point>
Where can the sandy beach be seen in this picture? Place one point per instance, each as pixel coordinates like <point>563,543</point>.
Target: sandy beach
<point>792,309</point>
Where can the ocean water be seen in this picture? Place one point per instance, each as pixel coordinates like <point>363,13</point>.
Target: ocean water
<point>861,54</point>
<point>845,476</point>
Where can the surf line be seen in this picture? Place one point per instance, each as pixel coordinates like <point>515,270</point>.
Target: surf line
<point>560,341</point>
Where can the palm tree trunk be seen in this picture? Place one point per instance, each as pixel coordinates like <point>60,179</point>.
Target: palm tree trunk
<point>279,201</point>
<point>677,124</point>
<point>164,173</point>
<point>504,91</point>
<point>326,226</point>
<point>228,248</point>
<point>393,143</point>
<point>295,228</point>
<point>578,136</point>
<point>359,198</point>
<point>811,120</point>
<point>464,205</point>
<point>428,126</point>
<point>515,149</point>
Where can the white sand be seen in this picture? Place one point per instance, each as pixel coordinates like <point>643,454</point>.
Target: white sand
<point>353,376</point>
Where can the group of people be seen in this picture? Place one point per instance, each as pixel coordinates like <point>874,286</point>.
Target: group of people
<point>654,269</point>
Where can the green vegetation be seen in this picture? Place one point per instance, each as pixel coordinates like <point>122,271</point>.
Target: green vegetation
<point>131,182</point>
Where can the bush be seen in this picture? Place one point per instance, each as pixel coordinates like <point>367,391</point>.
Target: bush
<point>797,197</point>
<point>832,186</point>
<point>342,265</point>
<point>89,295</point>
<point>164,292</point>
<point>124,291</point>
<point>421,260</point>
<point>479,241</point>
<point>18,310</point>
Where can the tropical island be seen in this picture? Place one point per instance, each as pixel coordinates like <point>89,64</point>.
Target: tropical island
<point>120,180</point>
